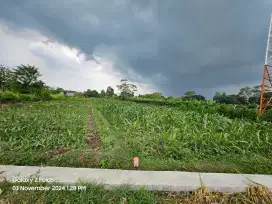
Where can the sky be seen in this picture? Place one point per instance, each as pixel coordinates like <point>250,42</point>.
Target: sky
<point>167,46</point>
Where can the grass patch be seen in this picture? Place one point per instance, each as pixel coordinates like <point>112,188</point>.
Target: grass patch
<point>98,194</point>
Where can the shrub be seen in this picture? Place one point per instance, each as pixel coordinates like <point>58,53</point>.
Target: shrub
<point>43,95</point>
<point>26,97</point>
<point>8,96</point>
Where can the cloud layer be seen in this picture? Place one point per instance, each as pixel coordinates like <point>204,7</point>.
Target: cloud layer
<point>171,46</point>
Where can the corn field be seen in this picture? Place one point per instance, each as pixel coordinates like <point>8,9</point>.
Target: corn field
<point>165,138</point>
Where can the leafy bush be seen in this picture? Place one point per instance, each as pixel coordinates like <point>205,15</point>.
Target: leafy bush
<point>8,96</point>
<point>43,95</point>
<point>11,97</point>
<point>26,97</point>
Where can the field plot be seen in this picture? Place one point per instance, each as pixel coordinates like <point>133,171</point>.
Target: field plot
<point>106,133</point>
<point>36,133</point>
<point>169,139</point>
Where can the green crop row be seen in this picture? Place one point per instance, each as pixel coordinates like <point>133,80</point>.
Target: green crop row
<point>29,131</point>
<point>228,110</point>
<point>163,133</point>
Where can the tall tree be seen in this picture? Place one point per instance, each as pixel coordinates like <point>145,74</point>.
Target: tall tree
<point>91,93</point>
<point>6,78</point>
<point>103,93</point>
<point>220,97</point>
<point>126,89</point>
<point>26,79</point>
<point>189,93</point>
<point>250,94</point>
<point>109,91</point>
<point>26,74</point>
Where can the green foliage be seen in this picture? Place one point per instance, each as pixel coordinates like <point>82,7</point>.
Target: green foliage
<point>155,95</point>
<point>228,110</point>
<point>59,96</point>
<point>53,90</point>
<point>126,90</point>
<point>189,93</point>
<point>164,138</point>
<point>27,97</point>
<point>43,95</point>
<point>6,78</point>
<point>23,79</point>
<point>193,97</point>
<point>27,133</point>
<point>267,116</point>
<point>26,74</point>
<point>11,97</point>
<point>182,135</point>
<point>79,95</point>
<point>95,193</point>
<point>91,93</point>
<point>102,93</point>
<point>246,95</point>
<point>8,96</point>
<point>110,91</point>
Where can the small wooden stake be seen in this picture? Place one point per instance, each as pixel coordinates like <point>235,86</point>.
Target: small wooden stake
<point>136,162</point>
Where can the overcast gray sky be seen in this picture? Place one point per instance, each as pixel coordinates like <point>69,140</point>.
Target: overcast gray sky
<point>169,46</point>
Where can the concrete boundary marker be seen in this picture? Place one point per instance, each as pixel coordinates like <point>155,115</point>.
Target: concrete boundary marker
<point>152,180</point>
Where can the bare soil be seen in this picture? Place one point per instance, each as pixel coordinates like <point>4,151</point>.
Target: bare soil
<point>93,138</point>
<point>93,141</point>
<point>4,105</point>
<point>57,151</point>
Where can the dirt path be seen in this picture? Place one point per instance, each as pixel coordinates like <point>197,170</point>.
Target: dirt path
<point>4,105</point>
<point>93,138</point>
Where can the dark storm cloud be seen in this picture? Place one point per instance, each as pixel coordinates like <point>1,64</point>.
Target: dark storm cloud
<point>191,44</point>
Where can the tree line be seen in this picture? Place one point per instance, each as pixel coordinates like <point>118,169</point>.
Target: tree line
<point>25,79</point>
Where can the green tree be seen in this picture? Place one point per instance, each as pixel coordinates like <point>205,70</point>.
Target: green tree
<point>103,93</point>
<point>91,93</point>
<point>26,79</point>
<point>246,93</point>
<point>198,97</point>
<point>26,74</point>
<point>6,78</point>
<point>79,95</point>
<point>38,85</point>
<point>220,97</point>
<point>189,93</point>
<point>126,89</point>
<point>55,91</point>
<point>109,91</point>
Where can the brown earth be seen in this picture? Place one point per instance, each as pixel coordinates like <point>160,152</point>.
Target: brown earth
<point>93,141</point>
<point>93,138</point>
<point>57,150</point>
<point>4,105</point>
